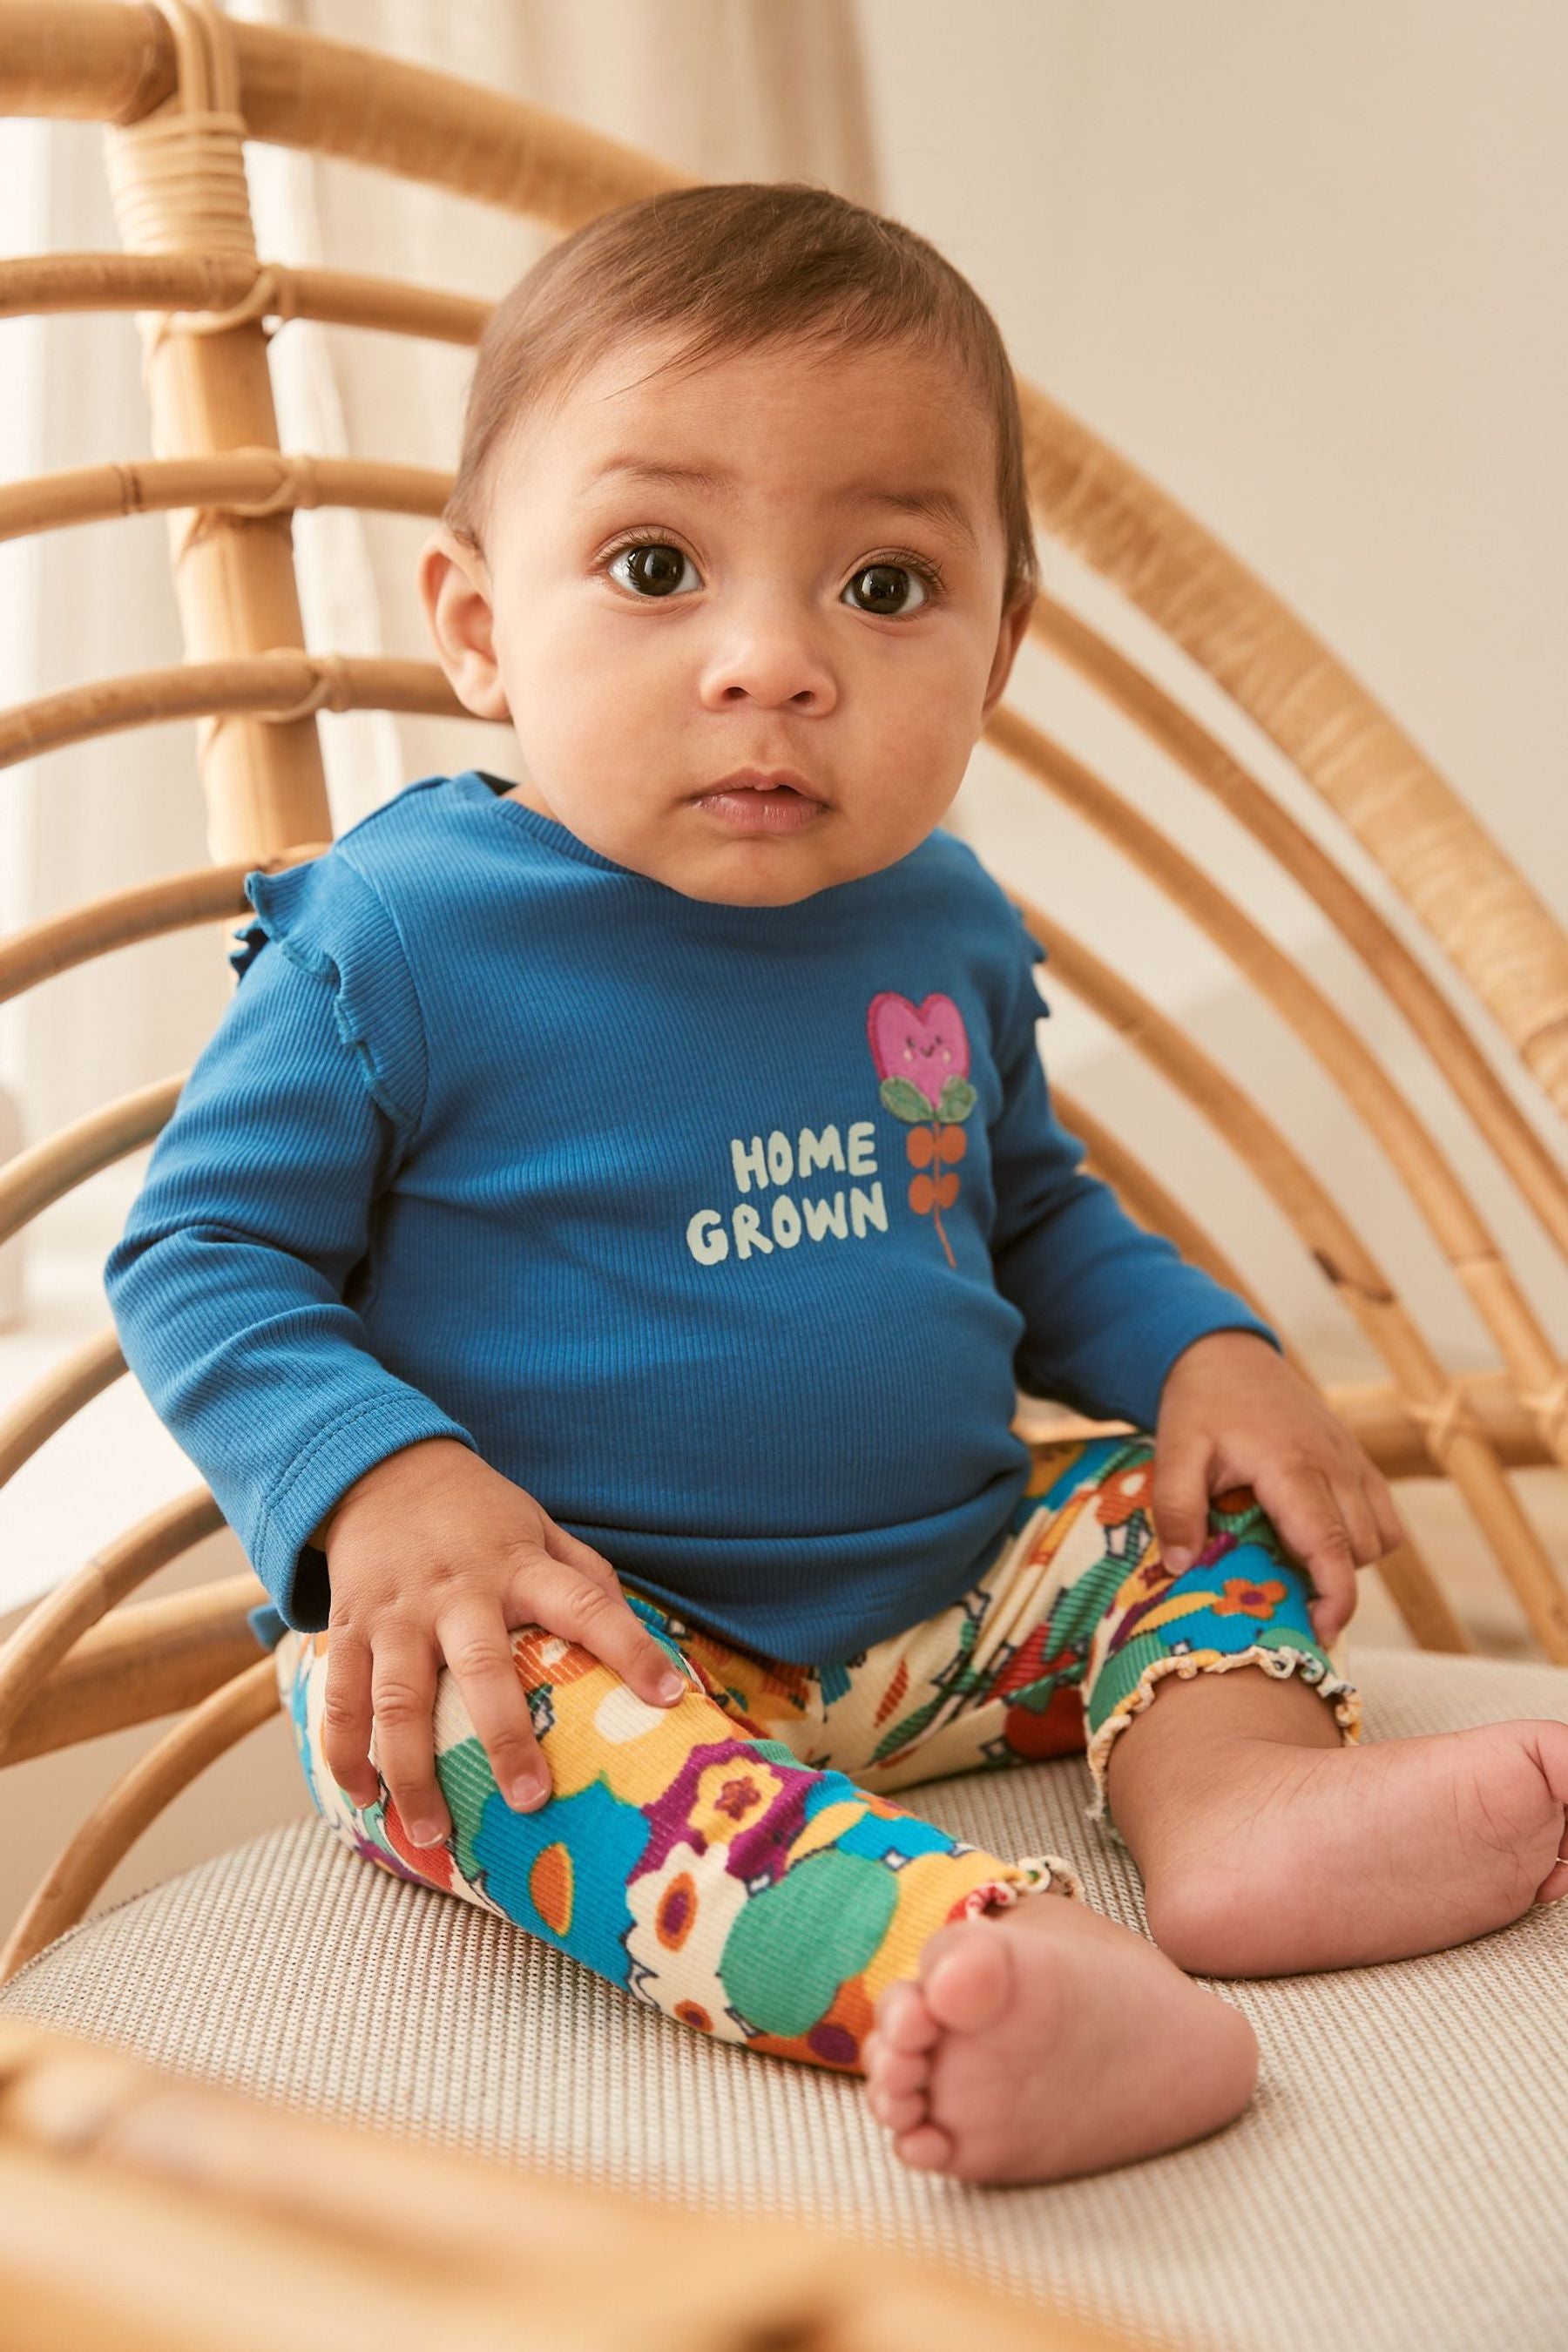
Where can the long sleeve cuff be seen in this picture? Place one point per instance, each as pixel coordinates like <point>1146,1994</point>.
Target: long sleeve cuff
<point>348,1446</point>
<point>1138,1380</point>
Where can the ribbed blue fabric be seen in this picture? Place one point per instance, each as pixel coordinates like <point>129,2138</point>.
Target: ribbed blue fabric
<point>506,1142</point>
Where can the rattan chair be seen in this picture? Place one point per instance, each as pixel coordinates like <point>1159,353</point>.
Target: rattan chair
<point>217,2224</point>
<point>1395,2172</point>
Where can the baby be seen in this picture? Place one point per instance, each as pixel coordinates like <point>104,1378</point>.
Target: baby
<point>596,1259</point>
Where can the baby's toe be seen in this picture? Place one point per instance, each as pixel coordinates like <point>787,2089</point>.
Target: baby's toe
<point>969,1983</point>
<point>903,2071</point>
<point>901,2115</point>
<point>896,2082</point>
<point>903,2022</point>
<point>927,2148</point>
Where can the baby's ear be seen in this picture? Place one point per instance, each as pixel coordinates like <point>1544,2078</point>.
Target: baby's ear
<point>1009,637</point>
<point>454,587</point>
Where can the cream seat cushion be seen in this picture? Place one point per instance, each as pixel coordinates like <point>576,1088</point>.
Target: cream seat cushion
<point>1400,2181</point>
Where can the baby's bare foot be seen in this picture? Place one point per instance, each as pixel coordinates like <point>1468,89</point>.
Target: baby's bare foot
<point>1330,1858</point>
<point>1047,2042</point>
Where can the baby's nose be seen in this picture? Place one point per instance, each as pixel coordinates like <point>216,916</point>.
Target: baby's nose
<point>775,665</point>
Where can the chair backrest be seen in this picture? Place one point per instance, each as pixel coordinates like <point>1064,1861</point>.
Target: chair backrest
<point>182,88</point>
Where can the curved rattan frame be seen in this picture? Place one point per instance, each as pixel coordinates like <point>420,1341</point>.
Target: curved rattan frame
<point>248,482</point>
<point>186,2191</point>
<point>37,284</point>
<point>1194,750</point>
<point>176,71</point>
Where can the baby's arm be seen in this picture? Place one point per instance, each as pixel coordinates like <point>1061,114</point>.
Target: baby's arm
<point>227,1285</point>
<point>1110,1309</point>
<point>1108,1306</point>
<point>227,1288</point>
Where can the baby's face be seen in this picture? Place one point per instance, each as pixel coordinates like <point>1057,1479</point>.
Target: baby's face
<point>651,634</point>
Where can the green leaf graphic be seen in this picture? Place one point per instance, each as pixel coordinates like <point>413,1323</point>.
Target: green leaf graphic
<point>905,1101</point>
<point>958,1099</point>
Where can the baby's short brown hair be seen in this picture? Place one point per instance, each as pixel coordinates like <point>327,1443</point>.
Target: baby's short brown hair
<point>739,264</point>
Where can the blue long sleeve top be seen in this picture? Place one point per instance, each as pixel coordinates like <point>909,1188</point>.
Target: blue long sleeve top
<point>729,1233</point>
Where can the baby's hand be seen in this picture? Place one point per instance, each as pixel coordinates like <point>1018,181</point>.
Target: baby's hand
<point>433,1554</point>
<point>1233,1412</point>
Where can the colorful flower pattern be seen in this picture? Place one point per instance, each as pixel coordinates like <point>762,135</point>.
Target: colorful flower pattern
<point>735,1860</point>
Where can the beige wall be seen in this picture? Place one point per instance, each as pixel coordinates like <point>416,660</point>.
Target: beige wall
<point>1304,265</point>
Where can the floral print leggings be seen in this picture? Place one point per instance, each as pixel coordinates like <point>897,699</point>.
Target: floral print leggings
<point>734,1859</point>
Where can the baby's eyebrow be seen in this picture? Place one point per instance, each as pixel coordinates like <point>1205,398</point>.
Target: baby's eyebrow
<point>935,504</point>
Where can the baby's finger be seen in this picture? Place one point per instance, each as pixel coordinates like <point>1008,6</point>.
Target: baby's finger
<point>403,1690</point>
<point>1179,1497</point>
<point>1332,1614</point>
<point>1306,1513</point>
<point>478,1646</point>
<point>345,1715</point>
<point>603,1623</point>
<point>563,1544</point>
<point>1361,1524</point>
<point>1390,1527</point>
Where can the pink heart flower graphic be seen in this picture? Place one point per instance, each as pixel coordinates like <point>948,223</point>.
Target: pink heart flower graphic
<point>926,1048</point>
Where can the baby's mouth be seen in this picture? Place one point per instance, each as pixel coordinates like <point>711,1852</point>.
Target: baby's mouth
<point>767,782</point>
<point>760,806</point>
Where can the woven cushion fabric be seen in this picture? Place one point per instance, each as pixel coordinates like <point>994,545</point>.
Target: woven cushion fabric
<point>1397,2182</point>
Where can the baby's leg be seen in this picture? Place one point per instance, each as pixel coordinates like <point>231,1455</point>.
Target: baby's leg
<point>1266,1845</point>
<point>692,1860</point>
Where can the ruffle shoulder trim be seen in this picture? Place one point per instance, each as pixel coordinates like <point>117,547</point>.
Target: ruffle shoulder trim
<point>1021,950</point>
<point>332,922</point>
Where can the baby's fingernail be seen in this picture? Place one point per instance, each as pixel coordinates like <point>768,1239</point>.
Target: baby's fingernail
<point>1178,1560</point>
<point>670,1688</point>
<point>425,1832</point>
<point>528,1792</point>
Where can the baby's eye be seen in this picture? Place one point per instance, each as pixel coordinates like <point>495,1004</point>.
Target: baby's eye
<point>654,565</point>
<point>885,587</point>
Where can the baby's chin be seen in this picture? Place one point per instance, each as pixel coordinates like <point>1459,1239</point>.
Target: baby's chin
<point>765,884</point>
<point>701,861</point>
